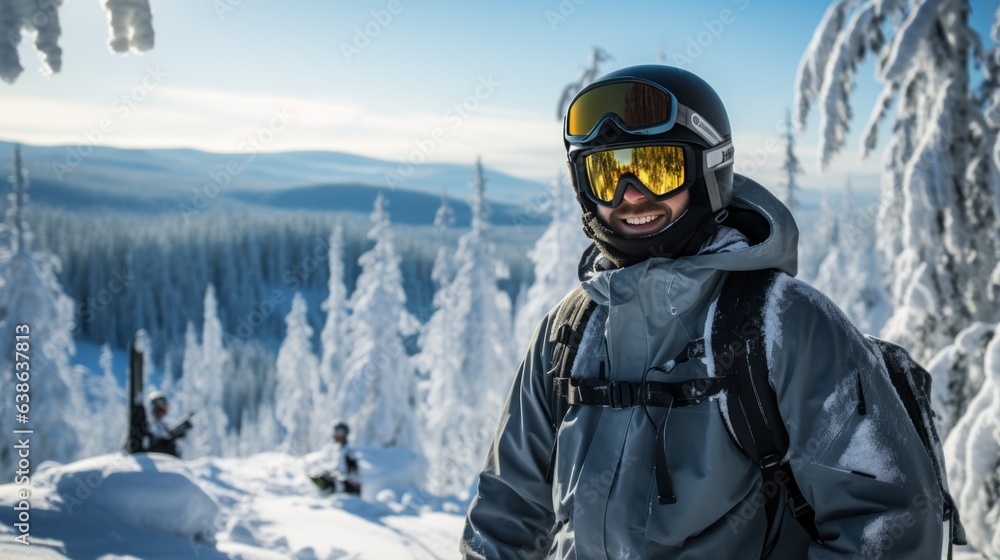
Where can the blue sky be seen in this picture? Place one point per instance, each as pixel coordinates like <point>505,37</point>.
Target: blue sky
<point>221,70</point>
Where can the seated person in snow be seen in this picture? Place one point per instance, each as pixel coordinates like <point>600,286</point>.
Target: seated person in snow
<point>161,438</point>
<point>345,478</point>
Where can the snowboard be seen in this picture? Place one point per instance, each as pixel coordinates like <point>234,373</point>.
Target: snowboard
<point>137,422</point>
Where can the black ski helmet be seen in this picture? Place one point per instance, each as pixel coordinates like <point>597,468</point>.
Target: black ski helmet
<point>713,189</point>
<point>341,428</point>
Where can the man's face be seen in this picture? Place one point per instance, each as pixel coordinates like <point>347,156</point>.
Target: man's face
<point>637,216</point>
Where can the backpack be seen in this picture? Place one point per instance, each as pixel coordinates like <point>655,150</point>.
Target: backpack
<point>754,421</point>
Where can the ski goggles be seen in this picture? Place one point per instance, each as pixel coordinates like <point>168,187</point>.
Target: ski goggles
<point>637,106</point>
<point>661,170</point>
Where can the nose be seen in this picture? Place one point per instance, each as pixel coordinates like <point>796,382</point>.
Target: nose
<point>632,195</point>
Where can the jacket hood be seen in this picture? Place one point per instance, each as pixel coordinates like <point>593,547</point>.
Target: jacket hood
<point>766,224</point>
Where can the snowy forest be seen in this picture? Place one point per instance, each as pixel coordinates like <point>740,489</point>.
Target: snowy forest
<point>272,326</point>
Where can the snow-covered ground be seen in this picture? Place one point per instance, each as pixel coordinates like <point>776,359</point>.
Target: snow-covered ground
<point>260,507</point>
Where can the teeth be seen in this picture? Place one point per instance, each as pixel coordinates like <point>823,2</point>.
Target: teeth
<point>640,221</point>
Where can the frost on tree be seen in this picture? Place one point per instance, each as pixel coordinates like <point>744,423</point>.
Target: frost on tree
<point>935,227</point>
<point>130,24</point>
<point>377,397</point>
<point>466,353</point>
<point>297,383</point>
<point>556,256</point>
<point>31,295</point>
<point>957,374</point>
<point>989,166</point>
<point>35,17</point>
<point>971,451</point>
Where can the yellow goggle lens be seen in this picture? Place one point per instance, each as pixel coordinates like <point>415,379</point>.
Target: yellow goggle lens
<point>660,168</point>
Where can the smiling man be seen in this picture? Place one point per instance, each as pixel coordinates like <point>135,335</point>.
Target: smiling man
<point>691,400</point>
<point>638,216</point>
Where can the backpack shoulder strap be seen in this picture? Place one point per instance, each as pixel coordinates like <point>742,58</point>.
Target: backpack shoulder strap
<point>566,333</point>
<point>738,348</point>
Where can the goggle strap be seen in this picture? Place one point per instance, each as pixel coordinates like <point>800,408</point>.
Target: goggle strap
<point>697,123</point>
<point>719,156</point>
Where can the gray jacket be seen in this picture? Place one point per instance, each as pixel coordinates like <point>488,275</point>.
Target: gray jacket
<point>873,489</point>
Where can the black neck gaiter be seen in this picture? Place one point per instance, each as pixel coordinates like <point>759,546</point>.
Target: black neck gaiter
<point>684,237</point>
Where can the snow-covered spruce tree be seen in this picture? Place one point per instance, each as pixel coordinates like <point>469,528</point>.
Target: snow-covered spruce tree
<point>971,452</point>
<point>957,374</point>
<point>108,406</point>
<point>378,395</point>
<point>848,272</point>
<point>790,168</point>
<point>934,236</point>
<point>442,274</point>
<point>990,167</point>
<point>817,239</point>
<point>34,307</point>
<point>444,262</point>
<point>466,353</point>
<point>297,384</point>
<point>332,338</point>
<point>556,255</point>
<point>203,386</point>
<point>587,75</point>
<point>972,448</point>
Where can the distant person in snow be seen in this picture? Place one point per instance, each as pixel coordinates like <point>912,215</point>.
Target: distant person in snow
<point>161,438</point>
<point>345,478</point>
<point>691,399</point>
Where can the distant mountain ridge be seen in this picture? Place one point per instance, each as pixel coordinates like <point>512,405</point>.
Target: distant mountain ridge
<point>159,181</point>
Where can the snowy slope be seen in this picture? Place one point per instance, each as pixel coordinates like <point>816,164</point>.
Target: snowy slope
<point>260,507</point>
